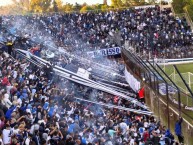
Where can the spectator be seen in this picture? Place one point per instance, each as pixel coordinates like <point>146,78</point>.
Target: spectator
<point>141,94</point>
<point>145,135</point>
<point>7,134</point>
<point>169,138</point>
<point>178,130</point>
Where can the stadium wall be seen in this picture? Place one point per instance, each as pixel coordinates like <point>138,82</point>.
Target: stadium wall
<point>164,109</point>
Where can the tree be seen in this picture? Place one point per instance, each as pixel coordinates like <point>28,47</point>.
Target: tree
<point>40,5</point>
<point>178,5</point>
<point>151,1</point>
<point>141,2</point>
<point>77,7</point>
<point>84,4</point>
<point>104,8</point>
<point>68,7</point>
<point>55,6</point>
<point>97,6</point>
<point>189,8</point>
<point>25,4</point>
<point>181,6</point>
<point>22,6</point>
<point>85,9</point>
<point>8,9</point>
<point>59,5</point>
<point>104,2</point>
<point>127,2</point>
<point>116,3</point>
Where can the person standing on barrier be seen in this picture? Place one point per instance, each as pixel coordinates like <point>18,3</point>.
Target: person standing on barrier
<point>178,130</point>
<point>141,95</point>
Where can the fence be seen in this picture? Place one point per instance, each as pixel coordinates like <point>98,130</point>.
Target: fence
<point>188,77</point>
<point>163,96</point>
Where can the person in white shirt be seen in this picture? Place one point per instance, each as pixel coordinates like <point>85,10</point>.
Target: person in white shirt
<point>7,135</point>
<point>132,141</point>
<point>28,139</point>
<point>146,124</point>
<point>6,101</point>
<point>124,127</point>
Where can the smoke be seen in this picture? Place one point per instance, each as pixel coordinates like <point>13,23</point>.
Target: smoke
<point>32,27</point>
<point>41,31</point>
<point>82,92</point>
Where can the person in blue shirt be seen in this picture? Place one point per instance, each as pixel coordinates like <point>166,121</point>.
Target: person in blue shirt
<point>178,130</point>
<point>169,138</point>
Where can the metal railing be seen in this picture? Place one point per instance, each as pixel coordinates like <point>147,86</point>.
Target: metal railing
<point>164,97</point>
<point>142,69</point>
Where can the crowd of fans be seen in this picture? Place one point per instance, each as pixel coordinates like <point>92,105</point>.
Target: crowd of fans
<point>147,30</point>
<point>35,110</point>
<point>42,109</point>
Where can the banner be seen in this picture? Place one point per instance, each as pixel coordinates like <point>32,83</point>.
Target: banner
<point>132,81</point>
<point>162,89</point>
<point>189,108</point>
<point>104,52</point>
<point>175,101</point>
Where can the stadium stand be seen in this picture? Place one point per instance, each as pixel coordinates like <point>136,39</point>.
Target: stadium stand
<point>38,110</point>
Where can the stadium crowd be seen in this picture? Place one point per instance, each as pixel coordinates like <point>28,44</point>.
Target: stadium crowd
<point>38,108</point>
<point>147,30</point>
<point>35,110</point>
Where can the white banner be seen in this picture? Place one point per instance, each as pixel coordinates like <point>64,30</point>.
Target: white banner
<point>189,108</point>
<point>104,52</point>
<point>132,81</point>
<point>162,89</point>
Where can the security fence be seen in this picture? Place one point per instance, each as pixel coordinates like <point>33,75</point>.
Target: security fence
<point>163,96</point>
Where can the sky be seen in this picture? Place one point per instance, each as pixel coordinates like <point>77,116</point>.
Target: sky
<point>5,2</point>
